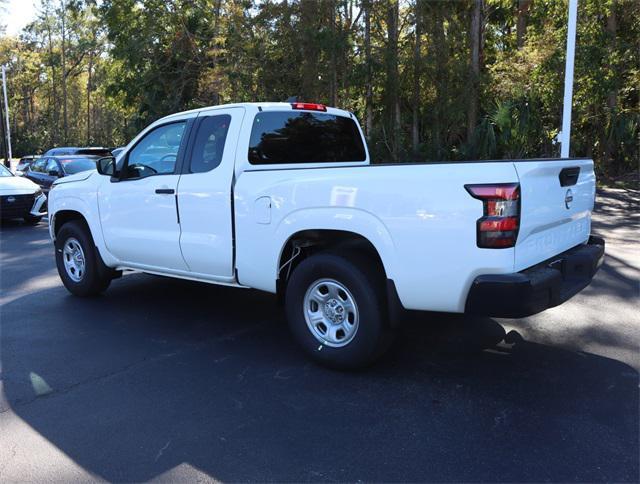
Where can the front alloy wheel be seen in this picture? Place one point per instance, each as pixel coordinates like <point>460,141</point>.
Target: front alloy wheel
<point>73,258</point>
<point>78,260</point>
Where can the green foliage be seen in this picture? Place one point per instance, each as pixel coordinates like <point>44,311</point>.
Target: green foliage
<point>124,63</point>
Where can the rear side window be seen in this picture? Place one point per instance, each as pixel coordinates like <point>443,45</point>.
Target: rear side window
<point>209,143</point>
<point>302,137</point>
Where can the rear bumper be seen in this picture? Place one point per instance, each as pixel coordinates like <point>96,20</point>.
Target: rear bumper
<point>540,287</point>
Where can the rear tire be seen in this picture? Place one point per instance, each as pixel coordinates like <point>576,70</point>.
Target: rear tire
<point>79,264</point>
<point>337,311</point>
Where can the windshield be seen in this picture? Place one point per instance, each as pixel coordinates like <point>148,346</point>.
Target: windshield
<point>77,165</point>
<point>4,171</point>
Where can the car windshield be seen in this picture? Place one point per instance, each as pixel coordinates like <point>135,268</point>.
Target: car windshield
<point>77,165</point>
<point>4,171</point>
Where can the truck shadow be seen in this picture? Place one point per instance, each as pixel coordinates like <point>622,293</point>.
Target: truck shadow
<point>160,375</point>
<point>618,215</point>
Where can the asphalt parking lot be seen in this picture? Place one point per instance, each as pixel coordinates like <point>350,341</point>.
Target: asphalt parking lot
<point>171,380</point>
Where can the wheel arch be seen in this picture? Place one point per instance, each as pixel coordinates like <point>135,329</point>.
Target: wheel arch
<point>304,243</point>
<point>308,241</point>
<point>68,208</point>
<point>61,217</point>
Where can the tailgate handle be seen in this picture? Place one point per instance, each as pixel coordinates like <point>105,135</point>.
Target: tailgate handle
<point>569,176</point>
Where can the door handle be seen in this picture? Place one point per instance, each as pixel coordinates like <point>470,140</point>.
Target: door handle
<point>165,191</point>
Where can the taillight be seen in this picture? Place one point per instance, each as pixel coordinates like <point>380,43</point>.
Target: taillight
<point>498,228</point>
<point>309,106</point>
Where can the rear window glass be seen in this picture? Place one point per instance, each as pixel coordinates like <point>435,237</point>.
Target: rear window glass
<point>77,165</point>
<point>93,151</point>
<point>303,137</point>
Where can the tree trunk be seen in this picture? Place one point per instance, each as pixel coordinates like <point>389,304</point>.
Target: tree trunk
<point>89,87</point>
<point>63,58</point>
<point>53,99</point>
<point>609,158</point>
<point>612,27</point>
<point>439,77</point>
<point>393,77</point>
<point>366,5</point>
<point>308,16</point>
<point>474,67</point>
<point>334,62</point>
<point>415,127</point>
<point>521,23</point>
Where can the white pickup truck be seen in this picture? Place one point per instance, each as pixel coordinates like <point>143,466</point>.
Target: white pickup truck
<point>282,197</point>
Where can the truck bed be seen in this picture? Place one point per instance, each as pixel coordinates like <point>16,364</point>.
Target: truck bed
<point>418,216</point>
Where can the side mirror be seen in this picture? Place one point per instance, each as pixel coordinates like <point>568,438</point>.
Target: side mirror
<point>55,173</point>
<point>106,166</point>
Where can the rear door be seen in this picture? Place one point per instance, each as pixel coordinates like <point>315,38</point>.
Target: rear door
<point>557,198</point>
<point>205,194</point>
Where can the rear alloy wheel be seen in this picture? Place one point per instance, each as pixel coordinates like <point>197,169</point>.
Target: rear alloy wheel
<point>78,262</point>
<point>337,311</point>
<point>331,313</point>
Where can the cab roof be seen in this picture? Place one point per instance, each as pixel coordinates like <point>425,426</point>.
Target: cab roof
<point>265,106</point>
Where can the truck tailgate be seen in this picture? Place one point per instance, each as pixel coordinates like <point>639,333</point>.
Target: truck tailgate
<point>557,198</point>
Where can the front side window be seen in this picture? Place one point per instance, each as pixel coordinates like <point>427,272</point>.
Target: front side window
<point>279,137</point>
<point>52,166</point>
<point>209,143</point>
<point>39,165</point>
<point>157,152</point>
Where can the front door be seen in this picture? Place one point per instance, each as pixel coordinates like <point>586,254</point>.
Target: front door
<point>139,213</point>
<point>35,173</point>
<point>51,173</point>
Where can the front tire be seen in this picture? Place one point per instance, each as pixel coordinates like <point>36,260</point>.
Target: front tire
<point>77,260</point>
<point>336,309</point>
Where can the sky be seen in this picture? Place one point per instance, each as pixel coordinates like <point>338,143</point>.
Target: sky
<point>18,14</point>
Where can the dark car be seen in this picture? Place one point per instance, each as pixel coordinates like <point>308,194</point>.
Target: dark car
<point>24,163</point>
<point>76,150</point>
<point>47,169</point>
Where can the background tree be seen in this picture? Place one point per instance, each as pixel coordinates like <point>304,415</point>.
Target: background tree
<point>431,80</point>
